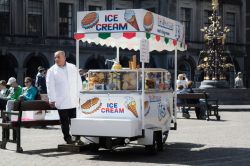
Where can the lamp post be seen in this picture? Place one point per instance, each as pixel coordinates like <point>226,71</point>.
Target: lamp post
<point>214,61</point>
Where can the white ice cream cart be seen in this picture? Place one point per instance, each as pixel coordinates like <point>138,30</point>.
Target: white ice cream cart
<point>123,105</point>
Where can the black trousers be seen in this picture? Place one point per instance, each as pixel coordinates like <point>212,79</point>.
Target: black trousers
<point>65,116</point>
<point>3,103</point>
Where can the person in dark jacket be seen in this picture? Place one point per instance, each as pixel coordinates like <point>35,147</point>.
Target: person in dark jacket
<point>41,80</point>
<point>198,111</point>
<point>185,112</point>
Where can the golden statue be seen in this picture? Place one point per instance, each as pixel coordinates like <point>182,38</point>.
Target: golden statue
<point>215,4</point>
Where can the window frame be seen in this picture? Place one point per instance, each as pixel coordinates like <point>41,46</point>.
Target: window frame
<point>34,14</point>
<point>70,24</point>
<point>9,19</point>
<point>230,39</point>
<point>187,38</point>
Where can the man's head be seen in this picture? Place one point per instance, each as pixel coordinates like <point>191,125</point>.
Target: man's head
<point>28,81</point>
<point>2,84</point>
<point>60,58</point>
<point>41,69</point>
<point>12,82</point>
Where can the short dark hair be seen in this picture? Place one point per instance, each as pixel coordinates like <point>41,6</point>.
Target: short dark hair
<point>3,82</point>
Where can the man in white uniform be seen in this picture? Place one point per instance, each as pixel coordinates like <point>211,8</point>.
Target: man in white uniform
<point>63,87</point>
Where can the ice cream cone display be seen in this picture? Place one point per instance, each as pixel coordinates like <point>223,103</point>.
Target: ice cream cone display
<point>132,63</point>
<point>131,105</point>
<point>148,21</point>
<point>91,105</point>
<point>90,20</point>
<point>146,108</point>
<point>130,17</point>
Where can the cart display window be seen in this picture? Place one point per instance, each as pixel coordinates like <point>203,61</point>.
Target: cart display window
<point>127,80</point>
<point>112,80</point>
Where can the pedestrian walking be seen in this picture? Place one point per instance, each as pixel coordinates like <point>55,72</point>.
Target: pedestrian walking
<point>40,82</point>
<point>239,81</point>
<point>63,87</point>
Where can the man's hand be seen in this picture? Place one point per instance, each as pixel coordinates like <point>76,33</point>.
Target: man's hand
<point>52,104</point>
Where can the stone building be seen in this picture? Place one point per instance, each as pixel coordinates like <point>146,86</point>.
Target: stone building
<point>247,61</point>
<point>32,30</point>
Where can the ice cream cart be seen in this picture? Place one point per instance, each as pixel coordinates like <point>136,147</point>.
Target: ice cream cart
<point>124,105</point>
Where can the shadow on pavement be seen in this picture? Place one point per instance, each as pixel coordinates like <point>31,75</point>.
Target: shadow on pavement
<point>53,152</point>
<point>178,153</point>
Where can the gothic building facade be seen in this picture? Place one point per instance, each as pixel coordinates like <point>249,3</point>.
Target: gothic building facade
<point>32,30</point>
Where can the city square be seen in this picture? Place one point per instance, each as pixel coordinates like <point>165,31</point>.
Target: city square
<point>129,82</point>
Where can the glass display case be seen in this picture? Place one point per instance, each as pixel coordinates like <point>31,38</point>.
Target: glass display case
<point>127,80</point>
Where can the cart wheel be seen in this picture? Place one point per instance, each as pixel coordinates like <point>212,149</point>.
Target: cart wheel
<point>157,144</point>
<point>94,147</point>
<point>164,137</point>
<point>218,117</point>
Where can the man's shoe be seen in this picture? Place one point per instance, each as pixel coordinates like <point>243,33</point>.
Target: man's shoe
<point>69,140</point>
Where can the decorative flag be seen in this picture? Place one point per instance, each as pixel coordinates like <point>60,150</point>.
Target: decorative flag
<point>129,35</point>
<point>104,35</point>
<point>78,36</point>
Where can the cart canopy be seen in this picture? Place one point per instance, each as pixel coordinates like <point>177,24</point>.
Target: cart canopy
<point>126,28</point>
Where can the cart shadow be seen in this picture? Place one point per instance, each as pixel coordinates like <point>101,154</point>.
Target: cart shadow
<point>176,153</point>
<point>53,152</point>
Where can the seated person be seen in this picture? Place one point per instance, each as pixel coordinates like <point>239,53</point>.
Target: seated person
<point>3,89</point>
<point>14,92</point>
<point>29,93</point>
<point>199,113</point>
<point>185,112</point>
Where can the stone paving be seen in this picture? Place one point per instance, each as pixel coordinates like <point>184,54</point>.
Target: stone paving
<point>196,142</point>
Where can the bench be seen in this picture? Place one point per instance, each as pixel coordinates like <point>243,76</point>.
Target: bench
<point>209,105</point>
<point>19,107</point>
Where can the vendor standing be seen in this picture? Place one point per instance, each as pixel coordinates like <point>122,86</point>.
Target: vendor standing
<point>63,87</point>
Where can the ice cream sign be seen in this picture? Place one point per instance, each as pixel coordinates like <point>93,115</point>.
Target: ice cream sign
<point>129,20</point>
<point>112,21</point>
<point>105,106</point>
<point>112,108</point>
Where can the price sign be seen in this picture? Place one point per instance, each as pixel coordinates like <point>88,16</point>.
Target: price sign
<point>144,51</point>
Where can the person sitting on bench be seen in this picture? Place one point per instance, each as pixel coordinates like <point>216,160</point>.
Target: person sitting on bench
<point>14,92</point>
<point>29,93</point>
<point>4,91</point>
<point>198,110</point>
<point>185,112</point>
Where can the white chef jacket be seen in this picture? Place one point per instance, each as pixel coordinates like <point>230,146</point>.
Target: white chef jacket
<point>64,86</point>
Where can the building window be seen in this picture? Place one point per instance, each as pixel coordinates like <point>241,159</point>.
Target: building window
<point>186,19</point>
<point>81,5</point>
<point>122,4</point>
<point>4,17</point>
<point>230,23</point>
<point>65,19</point>
<point>35,17</point>
<point>150,5</point>
<point>94,8</point>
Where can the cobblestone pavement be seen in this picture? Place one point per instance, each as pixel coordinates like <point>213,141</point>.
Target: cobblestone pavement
<point>196,142</point>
